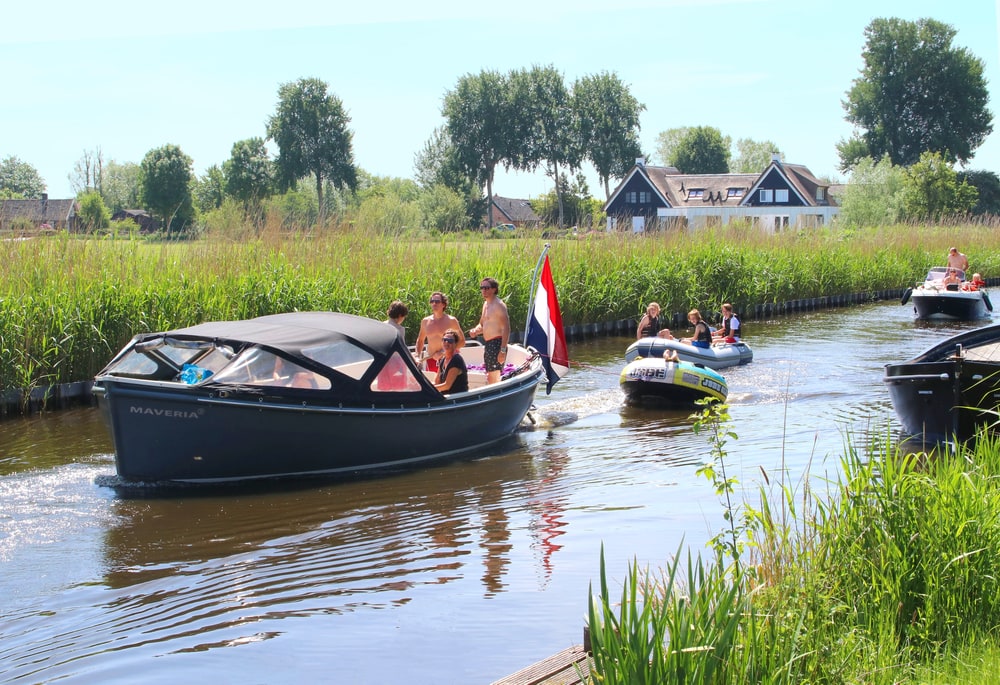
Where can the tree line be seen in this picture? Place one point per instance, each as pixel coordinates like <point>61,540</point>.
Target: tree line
<point>919,107</point>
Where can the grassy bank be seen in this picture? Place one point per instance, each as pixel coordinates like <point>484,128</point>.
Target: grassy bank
<point>890,577</point>
<point>67,304</point>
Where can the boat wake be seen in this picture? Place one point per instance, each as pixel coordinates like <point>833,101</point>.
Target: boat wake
<point>571,409</point>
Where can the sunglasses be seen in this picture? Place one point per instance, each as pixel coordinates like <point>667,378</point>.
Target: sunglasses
<point>449,341</point>
<point>486,287</point>
<point>436,301</point>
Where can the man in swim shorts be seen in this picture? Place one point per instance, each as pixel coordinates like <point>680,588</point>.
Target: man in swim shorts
<point>494,326</point>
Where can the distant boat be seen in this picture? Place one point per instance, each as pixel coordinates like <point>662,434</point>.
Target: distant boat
<point>719,356</point>
<point>961,300</point>
<point>950,390</point>
<point>296,395</point>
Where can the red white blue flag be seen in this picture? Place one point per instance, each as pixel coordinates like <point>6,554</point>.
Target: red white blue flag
<point>545,329</point>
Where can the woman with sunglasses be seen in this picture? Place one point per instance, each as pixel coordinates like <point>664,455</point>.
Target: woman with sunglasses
<point>453,375</point>
<point>432,328</point>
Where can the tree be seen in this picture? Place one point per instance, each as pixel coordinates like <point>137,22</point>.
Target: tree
<point>931,190</point>
<point>94,215</point>
<point>753,156</point>
<point>120,185</point>
<point>608,119</point>
<point>478,113</point>
<point>87,172</point>
<point>874,195</point>
<point>209,189</point>
<point>165,178</point>
<point>437,165</point>
<point>703,150</point>
<point>20,180</point>
<point>917,93</point>
<point>248,175</point>
<point>987,184</point>
<point>667,142</point>
<point>310,129</point>
<point>546,125</point>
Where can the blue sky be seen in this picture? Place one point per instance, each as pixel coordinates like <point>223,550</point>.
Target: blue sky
<point>128,77</point>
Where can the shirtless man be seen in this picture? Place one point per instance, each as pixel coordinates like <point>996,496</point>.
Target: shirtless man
<point>494,326</point>
<point>957,260</point>
<point>432,328</point>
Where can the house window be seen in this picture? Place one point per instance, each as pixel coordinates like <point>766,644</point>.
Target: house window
<point>820,194</point>
<point>767,196</point>
<point>644,198</point>
<point>696,193</point>
<point>735,192</point>
<point>781,195</point>
<point>630,198</point>
<point>781,223</point>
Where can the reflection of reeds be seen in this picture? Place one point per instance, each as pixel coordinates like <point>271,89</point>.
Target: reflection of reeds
<point>66,303</point>
<point>891,573</point>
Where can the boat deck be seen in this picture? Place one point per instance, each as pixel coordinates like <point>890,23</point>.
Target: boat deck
<point>563,668</point>
<point>984,353</point>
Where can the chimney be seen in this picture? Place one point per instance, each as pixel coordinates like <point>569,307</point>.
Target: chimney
<point>640,161</point>
<point>776,157</point>
<point>45,197</point>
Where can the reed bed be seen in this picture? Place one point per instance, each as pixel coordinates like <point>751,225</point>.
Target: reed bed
<point>889,577</point>
<point>67,303</point>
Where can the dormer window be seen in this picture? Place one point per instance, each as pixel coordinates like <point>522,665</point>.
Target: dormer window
<point>781,195</point>
<point>696,193</point>
<point>820,194</point>
<point>735,192</point>
<point>766,196</point>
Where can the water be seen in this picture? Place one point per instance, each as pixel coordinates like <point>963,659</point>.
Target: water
<point>458,573</point>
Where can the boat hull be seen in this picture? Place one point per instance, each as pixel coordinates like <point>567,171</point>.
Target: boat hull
<point>162,434</point>
<point>959,305</point>
<point>951,390</point>
<point>670,384</point>
<point>718,356</point>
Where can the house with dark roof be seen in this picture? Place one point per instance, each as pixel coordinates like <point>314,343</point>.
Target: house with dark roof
<point>780,197</point>
<point>512,211</point>
<point>146,222</point>
<point>43,213</point>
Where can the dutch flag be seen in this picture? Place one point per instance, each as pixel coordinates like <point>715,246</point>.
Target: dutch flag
<point>545,329</point>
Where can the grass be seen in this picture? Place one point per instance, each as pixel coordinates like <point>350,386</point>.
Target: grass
<point>890,577</point>
<point>67,303</point>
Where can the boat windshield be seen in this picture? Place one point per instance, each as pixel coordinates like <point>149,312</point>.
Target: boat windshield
<point>256,366</point>
<point>938,273</point>
<point>164,358</point>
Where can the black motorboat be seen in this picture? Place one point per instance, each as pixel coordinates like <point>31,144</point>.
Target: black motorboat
<point>296,395</point>
<point>951,390</point>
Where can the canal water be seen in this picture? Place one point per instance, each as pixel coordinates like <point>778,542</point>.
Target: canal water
<point>458,573</point>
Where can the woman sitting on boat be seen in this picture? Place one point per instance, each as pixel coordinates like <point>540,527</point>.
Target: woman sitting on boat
<point>453,375</point>
<point>702,333</point>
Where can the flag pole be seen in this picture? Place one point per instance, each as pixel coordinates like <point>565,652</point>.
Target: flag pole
<point>531,292</point>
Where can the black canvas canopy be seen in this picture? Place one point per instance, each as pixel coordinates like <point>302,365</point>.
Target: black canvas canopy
<point>294,331</point>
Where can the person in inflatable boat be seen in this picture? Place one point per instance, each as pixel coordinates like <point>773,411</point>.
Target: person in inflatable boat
<point>730,329</point>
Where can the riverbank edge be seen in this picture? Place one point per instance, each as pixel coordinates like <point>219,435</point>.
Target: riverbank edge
<point>64,395</point>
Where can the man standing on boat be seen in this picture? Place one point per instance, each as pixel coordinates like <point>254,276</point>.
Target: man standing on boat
<point>432,328</point>
<point>494,326</point>
<point>957,260</point>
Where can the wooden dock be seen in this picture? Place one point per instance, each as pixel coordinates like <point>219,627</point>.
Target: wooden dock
<point>563,668</point>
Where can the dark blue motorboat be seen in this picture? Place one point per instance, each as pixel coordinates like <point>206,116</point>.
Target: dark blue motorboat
<point>296,395</point>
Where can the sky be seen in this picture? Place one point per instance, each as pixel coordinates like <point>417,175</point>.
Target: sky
<point>126,77</point>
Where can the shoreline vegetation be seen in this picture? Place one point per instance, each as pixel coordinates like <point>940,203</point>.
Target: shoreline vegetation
<point>886,577</point>
<point>68,303</point>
